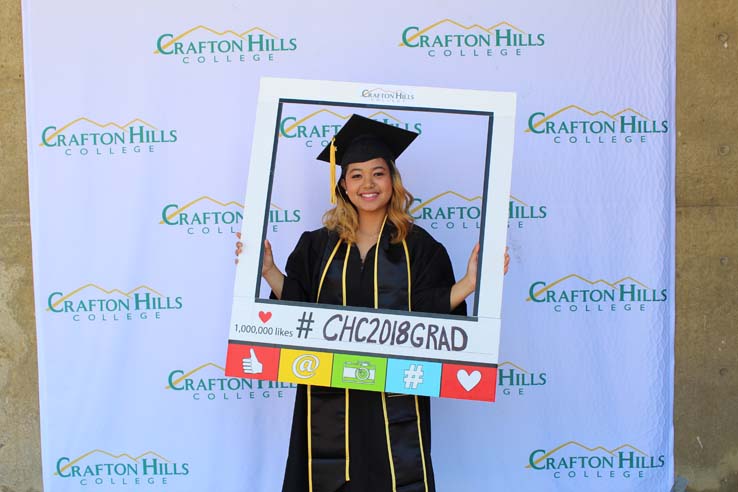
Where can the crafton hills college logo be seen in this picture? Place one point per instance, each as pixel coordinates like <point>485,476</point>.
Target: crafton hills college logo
<point>453,210</point>
<point>92,303</point>
<point>208,382</point>
<point>449,38</point>
<point>201,45</point>
<point>379,94</point>
<point>574,124</point>
<point>573,460</point>
<point>575,293</point>
<point>448,210</point>
<point>319,127</point>
<point>208,216</point>
<point>87,137</point>
<point>99,467</point>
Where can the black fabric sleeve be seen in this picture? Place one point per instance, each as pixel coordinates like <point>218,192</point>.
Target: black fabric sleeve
<point>299,271</point>
<point>433,277</point>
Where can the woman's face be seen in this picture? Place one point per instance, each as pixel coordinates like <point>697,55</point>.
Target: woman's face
<point>368,185</point>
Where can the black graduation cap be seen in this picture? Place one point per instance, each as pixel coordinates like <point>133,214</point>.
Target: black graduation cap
<point>362,139</point>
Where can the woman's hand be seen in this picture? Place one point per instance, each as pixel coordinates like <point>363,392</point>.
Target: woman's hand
<point>239,246</point>
<point>269,270</point>
<point>267,265</point>
<point>468,284</point>
<point>470,279</point>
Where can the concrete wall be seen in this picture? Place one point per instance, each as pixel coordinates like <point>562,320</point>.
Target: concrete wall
<point>706,385</point>
<point>706,400</point>
<point>20,454</point>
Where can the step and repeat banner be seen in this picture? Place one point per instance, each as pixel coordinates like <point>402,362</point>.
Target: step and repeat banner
<point>140,123</point>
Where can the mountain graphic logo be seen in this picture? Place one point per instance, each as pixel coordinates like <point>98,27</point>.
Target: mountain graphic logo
<point>171,211</point>
<point>208,382</point>
<point>87,132</point>
<point>600,281</point>
<point>329,122</point>
<point>507,363</point>
<point>60,299</point>
<point>87,302</point>
<point>47,137</point>
<point>510,374</point>
<point>209,214</point>
<point>452,206</point>
<point>115,457</point>
<point>201,39</point>
<point>98,466</point>
<point>572,120</point>
<point>575,457</point>
<point>426,203</point>
<point>174,382</point>
<point>576,290</point>
<point>449,33</point>
<point>578,445</point>
<point>573,108</point>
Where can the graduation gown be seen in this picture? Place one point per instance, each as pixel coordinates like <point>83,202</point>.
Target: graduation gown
<point>431,277</point>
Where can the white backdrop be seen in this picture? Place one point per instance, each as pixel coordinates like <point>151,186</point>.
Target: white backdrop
<point>140,118</point>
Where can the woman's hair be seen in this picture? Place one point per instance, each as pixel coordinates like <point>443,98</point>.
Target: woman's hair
<point>344,219</point>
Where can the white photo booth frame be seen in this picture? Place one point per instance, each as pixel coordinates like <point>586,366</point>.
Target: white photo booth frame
<point>259,324</point>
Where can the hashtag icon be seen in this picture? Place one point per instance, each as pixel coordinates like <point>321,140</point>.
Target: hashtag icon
<point>413,376</point>
<point>305,322</point>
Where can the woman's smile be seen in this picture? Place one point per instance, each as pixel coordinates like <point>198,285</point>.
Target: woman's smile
<point>370,195</point>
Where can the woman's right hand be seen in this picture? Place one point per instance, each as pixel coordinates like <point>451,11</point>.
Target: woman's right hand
<point>268,264</point>
<point>269,270</point>
<point>239,246</point>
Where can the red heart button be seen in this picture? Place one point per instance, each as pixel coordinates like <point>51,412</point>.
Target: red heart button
<point>265,316</point>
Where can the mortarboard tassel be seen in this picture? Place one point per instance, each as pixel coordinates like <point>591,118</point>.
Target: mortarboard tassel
<point>333,171</point>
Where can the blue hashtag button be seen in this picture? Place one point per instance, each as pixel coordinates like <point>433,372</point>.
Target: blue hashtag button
<point>413,377</point>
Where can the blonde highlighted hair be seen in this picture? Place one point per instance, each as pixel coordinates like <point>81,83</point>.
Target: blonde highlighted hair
<point>344,218</point>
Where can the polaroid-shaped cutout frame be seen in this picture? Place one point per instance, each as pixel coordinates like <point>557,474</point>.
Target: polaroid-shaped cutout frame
<point>444,355</point>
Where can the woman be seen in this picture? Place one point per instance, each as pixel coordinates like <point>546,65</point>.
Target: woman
<point>371,255</point>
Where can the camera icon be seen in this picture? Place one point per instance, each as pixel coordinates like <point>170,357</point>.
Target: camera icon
<point>359,372</point>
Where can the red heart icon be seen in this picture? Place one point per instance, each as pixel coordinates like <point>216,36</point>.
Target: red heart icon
<point>265,316</point>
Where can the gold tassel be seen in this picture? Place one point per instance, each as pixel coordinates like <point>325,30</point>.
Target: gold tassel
<point>333,171</point>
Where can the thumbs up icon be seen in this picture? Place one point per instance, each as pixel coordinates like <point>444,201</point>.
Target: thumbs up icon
<point>251,364</point>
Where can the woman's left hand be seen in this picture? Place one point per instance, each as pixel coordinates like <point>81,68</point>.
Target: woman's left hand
<point>470,279</point>
<point>473,264</point>
<point>466,286</point>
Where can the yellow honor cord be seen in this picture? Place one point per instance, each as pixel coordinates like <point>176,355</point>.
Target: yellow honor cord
<point>343,274</point>
<point>376,254</point>
<point>346,437</point>
<point>409,277</point>
<point>346,417</point>
<point>310,438</point>
<point>325,270</point>
<point>333,171</point>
